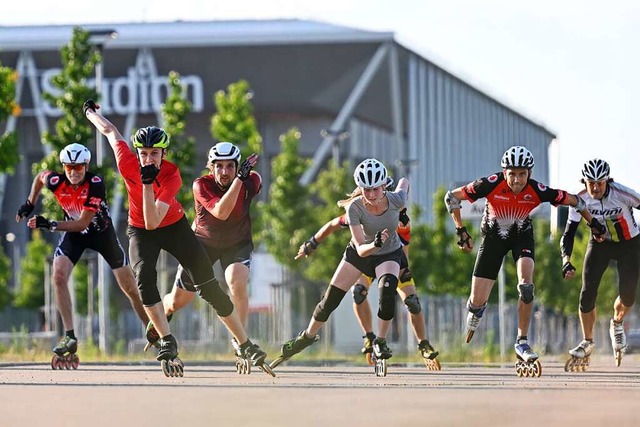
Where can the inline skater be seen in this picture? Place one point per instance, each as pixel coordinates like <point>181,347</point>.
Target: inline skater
<point>87,225</point>
<point>612,203</point>
<point>373,250</point>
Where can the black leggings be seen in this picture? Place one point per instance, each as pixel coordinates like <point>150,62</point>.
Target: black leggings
<point>596,261</point>
<point>179,240</point>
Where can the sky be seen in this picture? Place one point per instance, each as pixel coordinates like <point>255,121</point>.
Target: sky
<point>571,66</point>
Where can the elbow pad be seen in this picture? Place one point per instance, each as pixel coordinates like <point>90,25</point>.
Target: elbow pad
<point>452,202</point>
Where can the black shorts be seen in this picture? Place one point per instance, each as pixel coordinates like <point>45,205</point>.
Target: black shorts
<point>106,243</point>
<point>240,252</point>
<point>367,265</point>
<point>493,249</point>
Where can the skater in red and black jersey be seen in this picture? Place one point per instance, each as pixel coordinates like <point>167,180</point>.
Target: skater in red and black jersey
<point>223,226</point>
<point>506,226</point>
<point>157,222</point>
<point>87,225</point>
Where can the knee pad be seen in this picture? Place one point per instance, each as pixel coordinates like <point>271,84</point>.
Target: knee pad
<point>360,293</point>
<point>413,304</point>
<point>211,292</point>
<point>388,284</point>
<point>406,275</point>
<point>525,290</point>
<point>329,302</point>
<point>478,311</point>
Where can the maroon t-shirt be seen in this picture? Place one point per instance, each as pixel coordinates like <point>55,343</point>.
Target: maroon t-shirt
<point>237,227</point>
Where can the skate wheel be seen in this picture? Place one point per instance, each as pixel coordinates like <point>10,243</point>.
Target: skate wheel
<point>67,361</point>
<point>519,370</point>
<point>568,366</point>
<point>618,356</point>
<point>369,359</point>
<point>165,368</point>
<point>536,369</point>
<point>469,336</point>
<point>267,369</point>
<point>432,364</point>
<point>381,368</point>
<point>54,362</point>
<point>75,361</point>
<point>247,367</point>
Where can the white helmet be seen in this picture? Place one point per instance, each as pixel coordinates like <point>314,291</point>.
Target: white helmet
<point>75,153</point>
<point>595,170</point>
<point>224,151</point>
<point>517,157</point>
<point>370,173</point>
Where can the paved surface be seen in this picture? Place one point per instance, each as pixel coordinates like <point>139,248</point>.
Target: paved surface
<point>324,396</point>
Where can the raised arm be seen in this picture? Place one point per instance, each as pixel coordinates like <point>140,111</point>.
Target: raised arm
<point>36,187</point>
<point>104,126</point>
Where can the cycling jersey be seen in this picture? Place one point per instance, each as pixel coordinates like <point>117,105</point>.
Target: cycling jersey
<point>506,214</point>
<point>614,210</point>
<point>165,188</point>
<point>237,227</point>
<point>89,196</point>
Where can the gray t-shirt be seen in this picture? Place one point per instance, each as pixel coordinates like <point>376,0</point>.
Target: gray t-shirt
<point>371,224</point>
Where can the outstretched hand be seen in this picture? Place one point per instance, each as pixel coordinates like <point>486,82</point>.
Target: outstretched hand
<point>89,105</point>
<point>245,168</point>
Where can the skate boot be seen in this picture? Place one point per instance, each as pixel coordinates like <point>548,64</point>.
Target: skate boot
<point>65,356</point>
<point>172,366</point>
<point>381,352</point>
<point>618,340</point>
<point>580,357</point>
<point>243,366</point>
<point>293,347</point>
<point>527,364</point>
<point>473,319</point>
<point>429,355</point>
<point>252,354</point>
<point>367,348</point>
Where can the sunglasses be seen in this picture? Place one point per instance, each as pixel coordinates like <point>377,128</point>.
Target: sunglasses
<point>78,167</point>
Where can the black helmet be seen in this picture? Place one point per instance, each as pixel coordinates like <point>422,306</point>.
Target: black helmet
<point>151,137</point>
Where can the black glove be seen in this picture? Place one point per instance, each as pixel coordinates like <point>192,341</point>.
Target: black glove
<point>45,224</point>
<point>310,245</point>
<point>463,236</point>
<point>567,267</point>
<point>244,170</point>
<point>25,210</point>
<point>377,241</point>
<point>148,173</point>
<point>89,104</point>
<point>404,218</point>
<point>597,228</point>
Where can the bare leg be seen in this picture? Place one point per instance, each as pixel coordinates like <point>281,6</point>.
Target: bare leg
<point>363,314</point>
<point>588,320</point>
<point>176,299</point>
<point>62,267</point>
<point>237,276</point>
<point>525,267</point>
<point>619,310</point>
<point>159,320</point>
<point>127,282</point>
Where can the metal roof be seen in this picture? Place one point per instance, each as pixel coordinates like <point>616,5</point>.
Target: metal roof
<point>192,33</point>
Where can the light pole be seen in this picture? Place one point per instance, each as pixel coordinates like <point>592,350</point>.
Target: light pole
<point>338,136</point>
<point>99,37</point>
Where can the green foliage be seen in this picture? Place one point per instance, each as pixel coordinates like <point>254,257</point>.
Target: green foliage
<point>438,265</point>
<point>234,121</point>
<point>31,291</point>
<point>9,156</point>
<point>182,149</point>
<point>5,274</point>
<point>79,59</point>
<point>332,185</point>
<point>288,204</point>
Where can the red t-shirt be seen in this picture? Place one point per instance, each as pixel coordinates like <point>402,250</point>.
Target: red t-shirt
<point>237,227</point>
<point>168,178</point>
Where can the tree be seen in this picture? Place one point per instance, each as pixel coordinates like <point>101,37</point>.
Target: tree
<point>182,151</point>
<point>332,184</point>
<point>234,121</point>
<point>31,291</point>
<point>288,203</point>
<point>9,157</point>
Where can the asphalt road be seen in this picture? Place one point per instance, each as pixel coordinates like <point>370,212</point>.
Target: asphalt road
<point>302,395</point>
